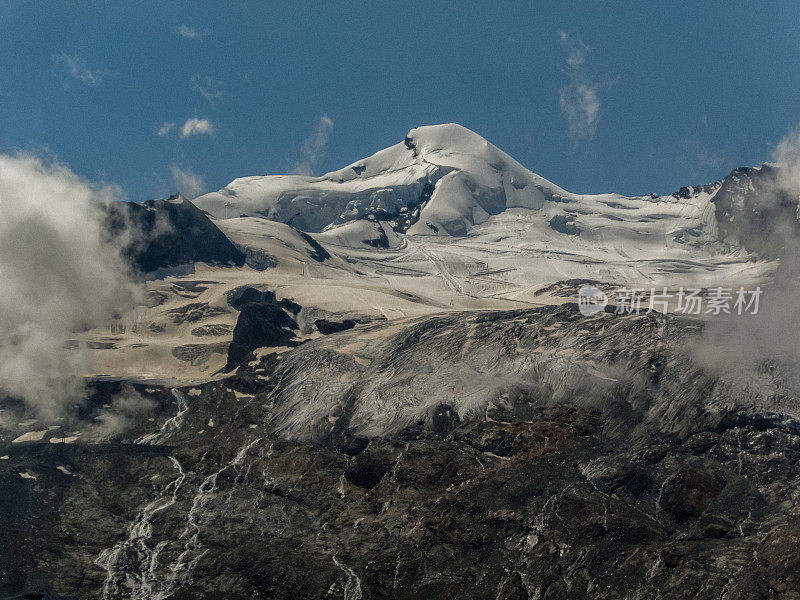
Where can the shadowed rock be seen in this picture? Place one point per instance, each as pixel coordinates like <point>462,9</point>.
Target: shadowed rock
<point>326,327</point>
<point>260,325</point>
<point>160,234</point>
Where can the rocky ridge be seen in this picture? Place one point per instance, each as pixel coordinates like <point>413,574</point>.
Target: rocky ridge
<point>600,460</point>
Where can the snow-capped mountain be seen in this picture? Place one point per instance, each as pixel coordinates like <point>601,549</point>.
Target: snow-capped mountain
<point>442,178</point>
<point>445,179</point>
<point>328,369</point>
<point>441,221</point>
<point>445,202</point>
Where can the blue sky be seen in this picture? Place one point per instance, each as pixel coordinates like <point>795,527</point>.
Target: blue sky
<point>640,97</point>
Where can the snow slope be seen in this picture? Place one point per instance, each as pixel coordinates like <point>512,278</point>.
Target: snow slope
<point>442,221</point>
<point>446,197</point>
<point>469,179</point>
<point>445,179</point>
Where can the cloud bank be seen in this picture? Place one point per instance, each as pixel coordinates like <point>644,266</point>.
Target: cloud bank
<point>760,351</point>
<point>314,147</point>
<point>59,274</point>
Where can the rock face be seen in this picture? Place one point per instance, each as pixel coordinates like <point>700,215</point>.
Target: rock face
<point>326,327</point>
<point>160,234</point>
<point>756,208</point>
<point>260,325</point>
<point>516,455</point>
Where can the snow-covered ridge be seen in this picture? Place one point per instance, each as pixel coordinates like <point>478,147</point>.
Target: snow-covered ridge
<point>442,175</point>
<point>444,180</point>
<point>441,221</point>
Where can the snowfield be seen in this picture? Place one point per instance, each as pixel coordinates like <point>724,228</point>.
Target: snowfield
<point>441,221</point>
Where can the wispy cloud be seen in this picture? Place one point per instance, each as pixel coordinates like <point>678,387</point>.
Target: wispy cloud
<point>191,33</point>
<point>314,147</point>
<point>60,272</point>
<point>208,87</point>
<point>189,184</point>
<point>78,69</point>
<point>787,154</point>
<point>195,126</point>
<point>579,96</point>
<point>166,128</point>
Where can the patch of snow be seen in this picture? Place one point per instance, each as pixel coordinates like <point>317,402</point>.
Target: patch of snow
<point>31,436</point>
<point>64,440</point>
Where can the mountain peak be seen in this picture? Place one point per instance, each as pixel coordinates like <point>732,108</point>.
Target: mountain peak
<point>446,136</point>
<point>440,179</point>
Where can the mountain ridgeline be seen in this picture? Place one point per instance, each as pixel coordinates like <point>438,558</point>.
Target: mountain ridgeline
<point>376,385</point>
<point>159,234</point>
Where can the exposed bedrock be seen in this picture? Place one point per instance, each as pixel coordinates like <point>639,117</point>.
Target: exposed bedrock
<point>526,454</point>
<point>260,324</point>
<point>160,234</point>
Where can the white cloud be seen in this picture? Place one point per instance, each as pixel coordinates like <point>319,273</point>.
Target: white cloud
<point>738,347</point>
<point>581,105</point>
<point>208,87</point>
<point>190,185</point>
<point>78,69</point>
<point>189,32</point>
<point>787,155</point>
<point>576,49</point>
<point>195,126</point>
<point>787,152</point>
<point>166,128</point>
<point>579,96</point>
<point>60,273</point>
<point>314,147</point>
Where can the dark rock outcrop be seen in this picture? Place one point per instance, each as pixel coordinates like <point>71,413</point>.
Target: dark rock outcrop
<point>326,327</point>
<point>160,234</point>
<point>565,224</point>
<point>241,296</point>
<point>264,322</point>
<point>317,252</point>
<point>260,325</point>
<point>688,492</point>
<point>602,462</point>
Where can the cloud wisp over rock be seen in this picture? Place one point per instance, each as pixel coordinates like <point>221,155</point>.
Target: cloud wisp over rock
<point>60,274</point>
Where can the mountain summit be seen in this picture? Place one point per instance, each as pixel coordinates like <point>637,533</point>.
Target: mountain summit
<point>446,180</point>
<point>439,179</point>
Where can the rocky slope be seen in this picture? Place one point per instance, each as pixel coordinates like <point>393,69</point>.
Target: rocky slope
<point>159,234</point>
<point>517,455</point>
